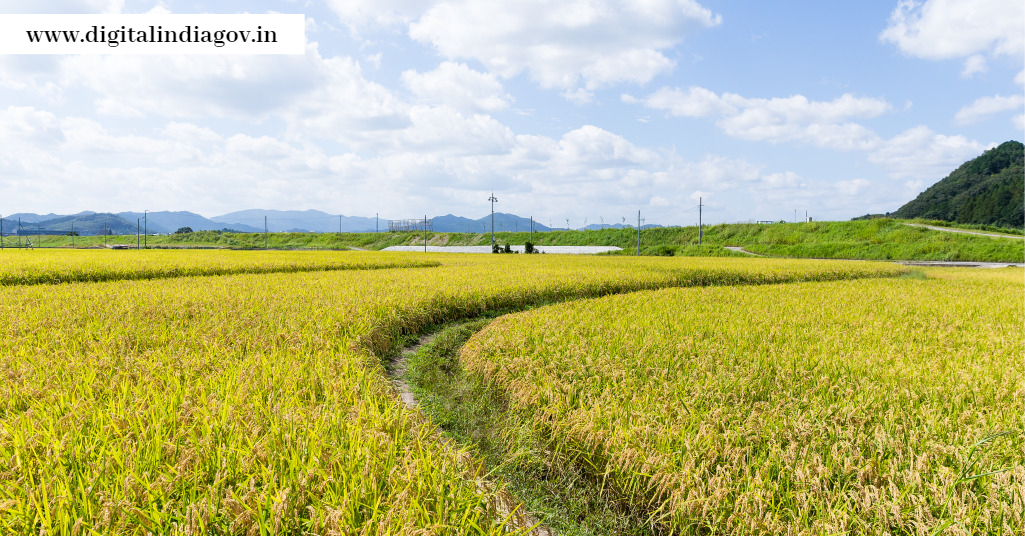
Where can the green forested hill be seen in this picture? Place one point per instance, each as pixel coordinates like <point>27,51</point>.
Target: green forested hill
<point>987,190</point>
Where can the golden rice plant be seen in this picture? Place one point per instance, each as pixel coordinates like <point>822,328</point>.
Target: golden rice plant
<point>254,403</point>
<point>872,406</point>
<point>27,267</point>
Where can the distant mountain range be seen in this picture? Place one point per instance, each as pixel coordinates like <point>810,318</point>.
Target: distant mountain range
<point>987,190</point>
<point>94,223</point>
<point>252,221</point>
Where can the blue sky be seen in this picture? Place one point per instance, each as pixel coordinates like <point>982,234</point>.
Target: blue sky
<point>586,109</point>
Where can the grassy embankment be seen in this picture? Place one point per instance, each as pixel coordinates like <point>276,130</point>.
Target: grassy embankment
<point>880,239</point>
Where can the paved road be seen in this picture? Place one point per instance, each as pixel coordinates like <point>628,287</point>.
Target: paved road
<point>962,231</point>
<point>963,264</point>
<point>742,250</point>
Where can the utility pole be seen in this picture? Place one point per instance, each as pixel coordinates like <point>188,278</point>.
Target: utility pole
<point>699,220</point>
<point>339,224</point>
<point>377,222</point>
<point>638,233</point>
<point>1,231</point>
<point>264,231</point>
<point>531,229</point>
<point>19,231</point>
<point>493,200</point>
<point>104,234</point>
<point>145,229</point>
<point>137,229</point>
<point>72,234</point>
<point>425,233</point>
<point>795,215</point>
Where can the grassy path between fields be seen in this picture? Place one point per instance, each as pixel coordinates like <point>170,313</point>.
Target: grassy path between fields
<point>421,352</point>
<point>423,364</point>
<point>568,500</point>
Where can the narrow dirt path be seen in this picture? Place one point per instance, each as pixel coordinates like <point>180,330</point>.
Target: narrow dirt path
<point>507,506</point>
<point>398,371</point>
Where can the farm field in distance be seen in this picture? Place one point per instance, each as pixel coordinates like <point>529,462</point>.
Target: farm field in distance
<point>879,239</point>
<point>194,392</point>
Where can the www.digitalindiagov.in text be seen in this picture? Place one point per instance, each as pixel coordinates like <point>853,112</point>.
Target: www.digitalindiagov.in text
<point>153,34</point>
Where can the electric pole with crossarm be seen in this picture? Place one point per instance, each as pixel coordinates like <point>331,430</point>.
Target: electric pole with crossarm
<point>493,200</point>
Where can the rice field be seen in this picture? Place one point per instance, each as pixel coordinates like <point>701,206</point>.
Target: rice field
<point>257,403</point>
<point>29,267</point>
<point>868,406</point>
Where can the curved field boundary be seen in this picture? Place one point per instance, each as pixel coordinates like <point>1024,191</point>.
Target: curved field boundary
<point>252,402</point>
<point>54,267</point>
<point>854,407</point>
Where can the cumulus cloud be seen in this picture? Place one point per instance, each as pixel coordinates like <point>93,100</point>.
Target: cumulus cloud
<point>358,14</point>
<point>458,86</point>
<point>921,153</point>
<point>313,95</point>
<point>987,106</point>
<point>915,153</point>
<point>794,118</point>
<point>590,146</point>
<point>585,43</point>
<point>951,29</point>
<point>975,64</point>
<point>852,187</point>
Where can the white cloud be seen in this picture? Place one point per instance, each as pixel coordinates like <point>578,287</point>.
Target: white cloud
<point>87,137</point>
<point>313,95</point>
<point>794,118</point>
<point>920,153</point>
<point>376,13</point>
<point>24,124</point>
<point>585,43</point>
<point>33,73</point>
<point>917,152</point>
<point>852,187</point>
<point>595,147</point>
<point>1020,78</point>
<point>458,86</point>
<point>578,96</point>
<point>950,29</point>
<point>695,102</point>
<point>241,87</point>
<point>786,179</point>
<point>975,64</point>
<point>445,131</point>
<point>986,106</point>
<point>716,173</point>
